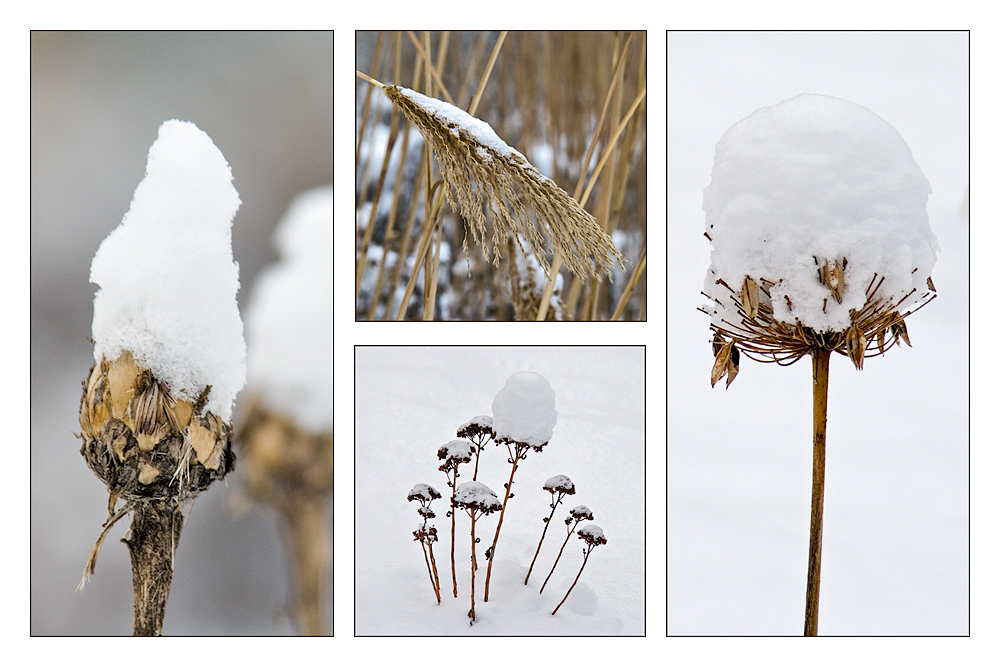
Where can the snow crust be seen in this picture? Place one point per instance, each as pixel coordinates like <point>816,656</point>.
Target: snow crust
<point>559,483</point>
<point>457,119</point>
<point>478,495</point>
<point>167,277</point>
<point>290,316</point>
<point>524,410</point>
<point>810,180</point>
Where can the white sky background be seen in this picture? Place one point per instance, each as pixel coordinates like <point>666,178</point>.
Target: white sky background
<point>895,547</point>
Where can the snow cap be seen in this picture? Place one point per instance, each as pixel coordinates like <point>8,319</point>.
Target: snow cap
<point>478,496</point>
<point>524,410</point>
<point>167,277</point>
<point>559,483</point>
<point>811,180</point>
<point>290,317</point>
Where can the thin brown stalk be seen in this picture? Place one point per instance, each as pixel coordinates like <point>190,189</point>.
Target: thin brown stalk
<point>821,375</point>
<point>492,550</point>
<point>569,533</point>
<point>586,555</point>
<point>152,541</point>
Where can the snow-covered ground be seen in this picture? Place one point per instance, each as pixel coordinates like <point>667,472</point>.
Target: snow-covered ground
<point>409,401</point>
<point>896,530</point>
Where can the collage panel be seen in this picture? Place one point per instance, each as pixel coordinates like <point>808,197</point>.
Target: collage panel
<point>500,176</point>
<point>499,491</point>
<point>818,459</point>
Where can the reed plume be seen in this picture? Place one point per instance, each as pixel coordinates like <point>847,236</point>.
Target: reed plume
<point>482,172</point>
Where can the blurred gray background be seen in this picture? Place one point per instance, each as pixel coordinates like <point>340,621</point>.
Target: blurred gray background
<point>97,101</point>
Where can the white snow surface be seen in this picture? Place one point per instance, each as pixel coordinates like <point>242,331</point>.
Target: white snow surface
<point>408,400</point>
<point>812,179</point>
<point>166,274</point>
<point>457,119</point>
<point>290,316</point>
<point>524,410</point>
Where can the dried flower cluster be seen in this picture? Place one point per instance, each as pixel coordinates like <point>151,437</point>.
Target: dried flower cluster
<point>875,328</point>
<point>427,536</point>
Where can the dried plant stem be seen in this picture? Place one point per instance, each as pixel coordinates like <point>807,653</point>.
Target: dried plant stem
<point>821,375</point>
<point>472,610</point>
<point>569,534</point>
<point>307,534</point>
<point>152,541</point>
<point>454,579</point>
<point>630,286</point>
<point>586,555</point>
<point>544,530</point>
<point>515,458</point>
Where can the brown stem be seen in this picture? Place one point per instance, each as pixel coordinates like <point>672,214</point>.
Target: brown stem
<point>585,557</point>
<point>493,549</point>
<point>430,576</point>
<point>454,580</point>
<point>821,377</point>
<point>472,611</point>
<point>544,530</point>
<point>307,535</point>
<point>152,541</point>
<point>568,535</point>
<point>437,580</point>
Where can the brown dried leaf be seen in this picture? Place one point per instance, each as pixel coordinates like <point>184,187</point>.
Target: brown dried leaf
<point>899,331</point>
<point>733,367</point>
<point>722,362</point>
<point>750,296</point>
<point>856,344</point>
<point>833,276</point>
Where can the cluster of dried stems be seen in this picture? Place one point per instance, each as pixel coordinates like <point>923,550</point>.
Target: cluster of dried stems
<point>582,93</point>
<point>576,515</point>
<point>561,487</point>
<point>427,536</point>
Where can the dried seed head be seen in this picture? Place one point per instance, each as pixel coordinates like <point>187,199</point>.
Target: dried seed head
<point>142,442</point>
<point>282,463</point>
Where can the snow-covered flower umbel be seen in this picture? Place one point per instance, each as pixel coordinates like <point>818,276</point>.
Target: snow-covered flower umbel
<point>480,431</point>
<point>817,217</point>
<point>559,486</point>
<point>477,500</point>
<point>454,454</point>
<point>594,537</point>
<point>576,515</point>
<point>524,415</point>
<point>427,536</point>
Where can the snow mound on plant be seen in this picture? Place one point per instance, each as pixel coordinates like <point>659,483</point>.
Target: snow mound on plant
<point>478,495</point>
<point>524,410</point>
<point>167,277</point>
<point>559,483</point>
<point>810,180</point>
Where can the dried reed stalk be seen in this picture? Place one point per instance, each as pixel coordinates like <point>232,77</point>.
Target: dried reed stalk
<point>482,172</point>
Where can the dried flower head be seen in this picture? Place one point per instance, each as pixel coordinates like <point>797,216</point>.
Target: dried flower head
<point>559,484</point>
<point>592,535</point>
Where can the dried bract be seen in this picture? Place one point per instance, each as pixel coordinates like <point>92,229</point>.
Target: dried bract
<point>750,297</point>
<point>833,277</point>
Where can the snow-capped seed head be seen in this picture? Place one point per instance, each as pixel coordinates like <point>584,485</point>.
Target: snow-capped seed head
<point>454,453</point>
<point>821,202</point>
<point>592,535</point>
<point>423,492</point>
<point>559,484</point>
<point>580,513</point>
<point>167,277</point>
<point>475,427</point>
<point>524,410</point>
<point>477,497</point>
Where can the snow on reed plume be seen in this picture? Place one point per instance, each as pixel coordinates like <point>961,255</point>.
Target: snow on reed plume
<point>481,169</point>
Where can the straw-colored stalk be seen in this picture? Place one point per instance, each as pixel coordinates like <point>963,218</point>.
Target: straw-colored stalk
<point>290,469</point>
<point>155,452</point>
